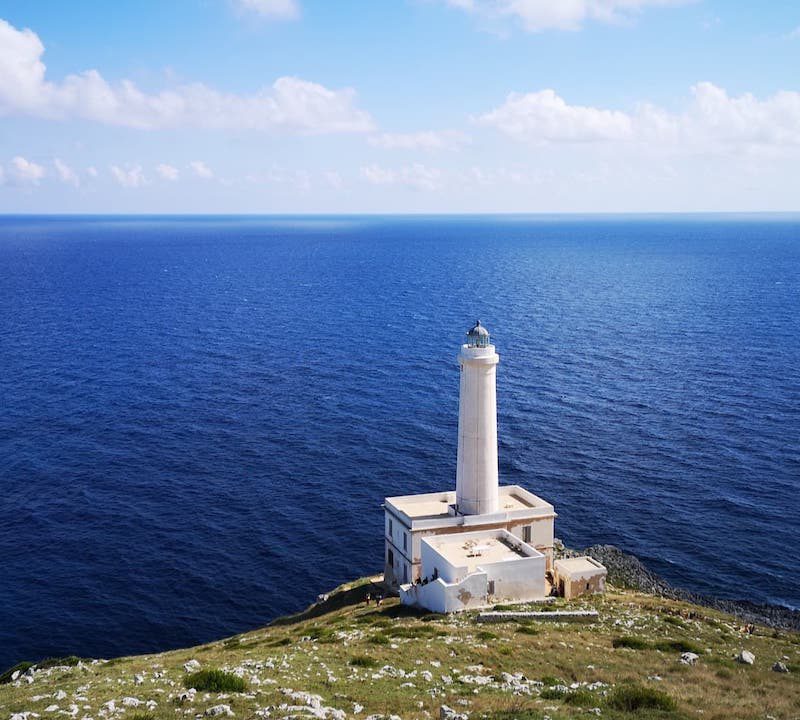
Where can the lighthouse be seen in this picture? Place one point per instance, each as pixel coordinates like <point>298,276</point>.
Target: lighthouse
<point>481,542</point>
<point>476,468</point>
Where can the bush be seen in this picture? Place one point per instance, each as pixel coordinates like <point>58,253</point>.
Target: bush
<point>486,635</point>
<point>549,680</point>
<point>580,698</point>
<point>215,681</point>
<point>552,693</point>
<point>68,661</point>
<point>527,630</point>
<point>633,643</point>
<point>379,639</point>
<point>22,667</point>
<point>677,646</point>
<point>632,698</point>
<point>674,620</point>
<point>363,661</point>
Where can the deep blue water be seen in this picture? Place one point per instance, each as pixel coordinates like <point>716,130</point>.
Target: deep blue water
<point>199,418</point>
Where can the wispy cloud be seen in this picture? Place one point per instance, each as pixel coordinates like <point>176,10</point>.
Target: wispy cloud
<point>168,172</point>
<point>65,173</point>
<point>130,177</point>
<point>428,140</point>
<point>290,104</point>
<point>417,176</point>
<point>540,15</point>
<point>26,171</point>
<point>201,170</point>
<point>271,9</point>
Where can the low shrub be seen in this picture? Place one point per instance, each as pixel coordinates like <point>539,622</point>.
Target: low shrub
<point>677,646</point>
<point>216,681</point>
<point>674,620</point>
<point>363,661</point>
<point>527,630</point>
<point>632,698</point>
<point>552,693</point>
<point>486,635</point>
<point>580,698</point>
<point>21,667</point>
<point>68,661</point>
<point>549,681</point>
<point>379,639</point>
<point>632,643</point>
<point>279,642</point>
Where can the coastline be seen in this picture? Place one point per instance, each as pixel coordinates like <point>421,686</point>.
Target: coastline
<point>628,571</point>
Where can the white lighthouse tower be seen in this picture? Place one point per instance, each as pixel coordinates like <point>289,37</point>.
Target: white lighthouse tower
<point>476,469</point>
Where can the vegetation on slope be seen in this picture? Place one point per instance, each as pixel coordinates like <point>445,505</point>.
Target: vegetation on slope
<point>345,658</point>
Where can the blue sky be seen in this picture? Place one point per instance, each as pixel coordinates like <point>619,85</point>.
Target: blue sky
<point>296,106</point>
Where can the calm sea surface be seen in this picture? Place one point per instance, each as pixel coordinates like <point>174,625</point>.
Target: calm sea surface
<point>199,418</point>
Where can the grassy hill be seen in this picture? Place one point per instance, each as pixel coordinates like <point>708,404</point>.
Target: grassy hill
<point>342,658</point>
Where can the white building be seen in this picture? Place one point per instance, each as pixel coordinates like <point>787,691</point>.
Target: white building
<point>482,543</point>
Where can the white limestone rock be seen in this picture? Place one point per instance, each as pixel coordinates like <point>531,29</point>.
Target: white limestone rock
<point>191,666</point>
<point>447,713</point>
<point>217,710</point>
<point>689,658</point>
<point>780,667</point>
<point>745,657</point>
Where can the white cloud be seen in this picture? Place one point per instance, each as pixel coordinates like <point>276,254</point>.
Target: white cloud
<point>424,140</point>
<point>26,171</point>
<point>795,33</point>
<point>714,120</point>
<point>334,179</point>
<point>545,116</point>
<point>66,174</point>
<point>201,170</point>
<point>289,104</point>
<point>272,9</point>
<point>91,171</point>
<point>417,176</point>
<point>539,15</point>
<point>167,171</point>
<point>131,177</point>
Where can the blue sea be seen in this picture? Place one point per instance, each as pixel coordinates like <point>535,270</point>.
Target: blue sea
<point>200,416</point>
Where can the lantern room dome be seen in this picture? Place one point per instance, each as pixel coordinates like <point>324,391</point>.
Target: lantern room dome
<point>478,336</point>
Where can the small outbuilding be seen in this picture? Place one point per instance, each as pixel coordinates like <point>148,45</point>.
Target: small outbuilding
<point>464,571</point>
<point>579,576</point>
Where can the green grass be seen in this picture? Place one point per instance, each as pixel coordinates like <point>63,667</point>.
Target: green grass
<point>143,716</point>
<point>215,681</point>
<point>552,693</point>
<point>379,639</point>
<point>633,698</point>
<point>485,635</point>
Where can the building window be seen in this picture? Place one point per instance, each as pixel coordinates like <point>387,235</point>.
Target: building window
<point>390,527</point>
<point>390,558</point>
<point>405,541</point>
<point>491,587</point>
<point>405,573</point>
<point>526,534</point>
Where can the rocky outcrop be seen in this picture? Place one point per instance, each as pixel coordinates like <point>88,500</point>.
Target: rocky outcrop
<point>626,570</point>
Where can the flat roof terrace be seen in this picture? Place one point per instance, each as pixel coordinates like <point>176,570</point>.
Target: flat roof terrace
<point>474,552</point>
<point>429,506</point>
